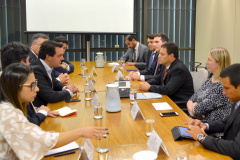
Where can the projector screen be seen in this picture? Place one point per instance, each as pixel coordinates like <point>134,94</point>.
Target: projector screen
<point>80,16</point>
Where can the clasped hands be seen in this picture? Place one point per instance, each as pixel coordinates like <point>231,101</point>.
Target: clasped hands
<point>48,110</point>
<point>196,127</point>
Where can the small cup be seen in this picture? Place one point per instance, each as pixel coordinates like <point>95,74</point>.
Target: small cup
<point>133,95</point>
<point>149,121</point>
<point>87,93</point>
<point>98,111</point>
<point>182,154</point>
<point>105,59</point>
<point>103,144</point>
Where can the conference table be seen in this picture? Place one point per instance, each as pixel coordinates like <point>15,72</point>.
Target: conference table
<point>126,135</point>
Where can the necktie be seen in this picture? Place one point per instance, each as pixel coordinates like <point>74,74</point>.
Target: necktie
<point>155,72</point>
<point>134,56</point>
<point>151,60</point>
<point>165,73</point>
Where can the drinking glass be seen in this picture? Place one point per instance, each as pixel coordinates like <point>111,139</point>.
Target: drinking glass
<point>149,121</point>
<point>98,111</point>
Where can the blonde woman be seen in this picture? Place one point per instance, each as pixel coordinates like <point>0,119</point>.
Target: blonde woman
<point>208,103</point>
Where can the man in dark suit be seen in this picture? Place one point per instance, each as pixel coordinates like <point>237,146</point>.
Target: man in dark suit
<point>229,144</point>
<point>175,81</point>
<point>137,53</point>
<point>66,66</point>
<point>51,90</point>
<point>155,68</point>
<point>15,52</point>
<point>37,41</point>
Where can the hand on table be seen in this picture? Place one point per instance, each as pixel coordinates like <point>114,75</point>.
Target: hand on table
<point>144,86</point>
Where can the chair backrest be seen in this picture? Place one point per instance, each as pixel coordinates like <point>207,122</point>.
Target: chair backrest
<point>199,78</point>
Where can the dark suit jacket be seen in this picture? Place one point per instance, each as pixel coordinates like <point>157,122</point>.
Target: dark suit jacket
<point>142,55</point>
<point>49,91</point>
<point>32,56</point>
<point>149,73</point>
<point>60,69</point>
<point>230,144</point>
<point>33,117</point>
<point>178,84</point>
<point>142,65</point>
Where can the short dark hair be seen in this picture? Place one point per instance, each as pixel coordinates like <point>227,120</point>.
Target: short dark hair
<point>171,48</point>
<point>14,52</point>
<point>48,48</point>
<point>12,78</point>
<point>233,72</point>
<point>129,37</point>
<point>61,39</point>
<point>39,35</point>
<point>163,36</point>
<point>151,36</point>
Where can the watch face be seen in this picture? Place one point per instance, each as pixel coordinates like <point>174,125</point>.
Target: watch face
<point>200,137</point>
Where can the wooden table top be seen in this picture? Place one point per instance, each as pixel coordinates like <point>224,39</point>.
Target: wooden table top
<point>127,136</point>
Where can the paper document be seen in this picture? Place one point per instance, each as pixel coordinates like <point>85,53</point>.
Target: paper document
<point>162,106</point>
<point>148,95</point>
<point>69,147</point>
<point>66,111</point>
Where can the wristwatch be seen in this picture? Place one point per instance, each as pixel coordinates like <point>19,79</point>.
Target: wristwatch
<point>200,137</point>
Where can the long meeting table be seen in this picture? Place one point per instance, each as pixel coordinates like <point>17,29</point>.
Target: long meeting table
<point>127,136</point>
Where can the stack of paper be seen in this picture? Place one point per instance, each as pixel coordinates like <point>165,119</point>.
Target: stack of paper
<point>162,106</point>
<point>148,95</point>
<point>69,147</point>
<point>66,111</point>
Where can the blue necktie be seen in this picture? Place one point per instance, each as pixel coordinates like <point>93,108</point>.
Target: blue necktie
<point>151,60</point>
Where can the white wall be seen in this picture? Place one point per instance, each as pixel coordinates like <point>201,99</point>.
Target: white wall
<point>217,25</point>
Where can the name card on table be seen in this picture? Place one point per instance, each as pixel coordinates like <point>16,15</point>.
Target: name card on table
<point>118,74</point>
<point>136,112</point>
<point>155,143</point>
<point>114,66</point>
<point>88,148</point>
<point>94,100</point>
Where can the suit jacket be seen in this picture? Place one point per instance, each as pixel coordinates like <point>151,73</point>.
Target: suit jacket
<point>142,65</point>
<point>230,144</point>
<point>32,56</point>
<point>33,117</point>
<point>142,55</point>
<point>49,91</point>
<point>60,69</point>
<point>178,83</point>
<point>149,73</point>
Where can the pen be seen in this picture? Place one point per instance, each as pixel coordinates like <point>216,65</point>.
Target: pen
<point>62,154</point>
<point>143,95</point>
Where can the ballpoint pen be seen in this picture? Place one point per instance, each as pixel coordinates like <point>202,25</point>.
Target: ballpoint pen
<point>143,95</point>
<point>62,154</point>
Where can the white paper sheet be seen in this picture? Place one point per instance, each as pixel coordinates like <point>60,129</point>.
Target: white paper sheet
<point>162,106</point>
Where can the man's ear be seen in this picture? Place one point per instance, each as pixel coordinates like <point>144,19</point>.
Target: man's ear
<point>48,57</point>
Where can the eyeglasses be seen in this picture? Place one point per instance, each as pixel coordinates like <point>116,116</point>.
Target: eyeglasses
<point>32,85</point>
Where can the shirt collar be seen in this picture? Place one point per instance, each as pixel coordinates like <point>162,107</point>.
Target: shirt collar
<point>34,53</point>
<point>136,47</point>
<point>46,66</point>
<point>168,67</point>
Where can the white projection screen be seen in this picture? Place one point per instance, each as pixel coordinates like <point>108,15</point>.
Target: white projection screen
<point>80,16</point>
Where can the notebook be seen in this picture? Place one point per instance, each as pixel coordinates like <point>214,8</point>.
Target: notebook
<point>66,111</point>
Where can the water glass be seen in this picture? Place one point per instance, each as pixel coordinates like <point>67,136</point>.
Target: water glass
<point>149,121</point>
<point>133,95</point>
<point>98,111</point>
<point>87,93</point>
<point>103,144</point>
<point>87,79</point>
<point>83,62</point>
<point>85,71</point>
<point>182,154</point>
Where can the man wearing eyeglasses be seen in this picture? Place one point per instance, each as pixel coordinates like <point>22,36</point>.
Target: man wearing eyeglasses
<point>15,52</point>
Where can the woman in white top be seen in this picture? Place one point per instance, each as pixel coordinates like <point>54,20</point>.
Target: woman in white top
<point>20,139</point>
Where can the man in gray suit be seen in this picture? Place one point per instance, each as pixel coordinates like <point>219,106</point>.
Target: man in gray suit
<point>229,143</point>
<point>137,53</point>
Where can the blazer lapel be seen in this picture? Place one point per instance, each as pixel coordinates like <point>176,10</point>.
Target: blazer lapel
<point>45,74</point>
<point>231,117</point>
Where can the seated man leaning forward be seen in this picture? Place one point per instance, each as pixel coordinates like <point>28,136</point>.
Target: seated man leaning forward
<point>51,90</point>
<point>175,81</point>
<point>229,144</point>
